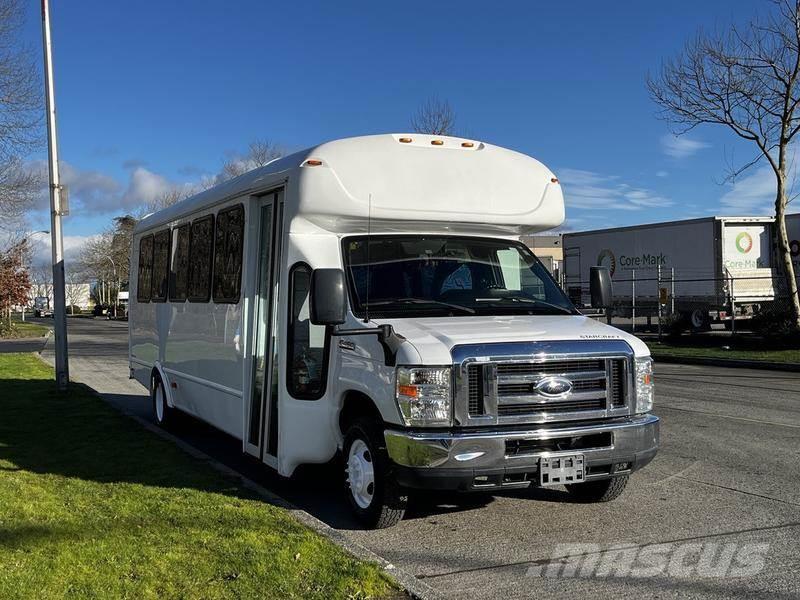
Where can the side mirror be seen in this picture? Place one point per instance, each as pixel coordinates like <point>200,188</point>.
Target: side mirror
<point>328,297</point>
<point>600,287</point>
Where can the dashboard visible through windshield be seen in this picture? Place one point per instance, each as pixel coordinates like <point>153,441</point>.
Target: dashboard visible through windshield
<point>429,275</point>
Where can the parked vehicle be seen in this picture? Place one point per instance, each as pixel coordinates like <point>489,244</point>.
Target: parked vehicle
<point>709,268</point>
<point>41,307</point>
<point>369,296</point>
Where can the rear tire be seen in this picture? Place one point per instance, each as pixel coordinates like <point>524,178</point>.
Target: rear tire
<point>162,413</point>
<point>376,498</point>
<point>604,490</point>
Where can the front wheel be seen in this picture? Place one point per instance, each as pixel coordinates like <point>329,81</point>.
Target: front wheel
<point>375,497</point>
<point>604,490</point>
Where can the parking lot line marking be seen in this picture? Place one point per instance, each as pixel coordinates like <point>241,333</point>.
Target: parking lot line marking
<point>713,414</point>
<point>733,489</point>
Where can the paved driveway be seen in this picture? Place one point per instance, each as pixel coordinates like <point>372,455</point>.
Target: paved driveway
<point>726,480</point>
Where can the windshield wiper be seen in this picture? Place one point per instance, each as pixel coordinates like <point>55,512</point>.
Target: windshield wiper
<point>525,300</point>
<point>465,309</point>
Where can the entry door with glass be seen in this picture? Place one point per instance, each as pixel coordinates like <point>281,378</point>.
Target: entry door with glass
<point>262,430</point>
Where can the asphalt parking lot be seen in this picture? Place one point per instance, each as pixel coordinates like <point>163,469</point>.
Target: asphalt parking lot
<point>726,480</point>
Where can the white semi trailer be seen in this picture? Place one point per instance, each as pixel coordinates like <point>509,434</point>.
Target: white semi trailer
<point>704,269</point>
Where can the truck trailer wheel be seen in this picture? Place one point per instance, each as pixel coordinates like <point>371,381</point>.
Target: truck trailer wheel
<point>604,490</point>
<point>376,498</point>
<point>162,413</point>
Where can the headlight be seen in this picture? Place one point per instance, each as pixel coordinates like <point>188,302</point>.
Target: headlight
<point>644,385</point>
<point>424,395</point>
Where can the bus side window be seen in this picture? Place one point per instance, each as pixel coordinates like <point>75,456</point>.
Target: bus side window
<point>201,246</point>
<point>179,271</point>
<point>307,343</point>
<point>145,278</point>
<point>228,247</point>
<point>160,266</point>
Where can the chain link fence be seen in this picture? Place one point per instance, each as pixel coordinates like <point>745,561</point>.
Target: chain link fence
<point>664,300</point>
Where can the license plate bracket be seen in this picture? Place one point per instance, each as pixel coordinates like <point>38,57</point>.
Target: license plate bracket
<point>561,470</point>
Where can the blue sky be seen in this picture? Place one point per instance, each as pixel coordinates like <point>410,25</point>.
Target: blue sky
<point>152,94</point>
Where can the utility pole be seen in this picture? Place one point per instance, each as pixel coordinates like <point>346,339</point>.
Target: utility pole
<point>57,234</point>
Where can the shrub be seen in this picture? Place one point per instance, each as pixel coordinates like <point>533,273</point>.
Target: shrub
<point>73,309</point>
<point>775,323</point>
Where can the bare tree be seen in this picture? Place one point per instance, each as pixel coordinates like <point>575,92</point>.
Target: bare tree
<point>747,80</point>
<point>259,153</point>
<point>435,117</point>
<point>20,116</point>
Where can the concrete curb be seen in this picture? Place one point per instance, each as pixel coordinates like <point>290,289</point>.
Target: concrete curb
<point>728,362</point>
<point>415,587</point>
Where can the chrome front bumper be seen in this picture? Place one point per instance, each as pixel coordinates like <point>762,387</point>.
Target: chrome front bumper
<point>623,445</point>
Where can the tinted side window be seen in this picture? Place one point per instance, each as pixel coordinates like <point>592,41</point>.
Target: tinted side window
<point>307,344</point>
<point>179,273</point>
<point>201,245</point>
<point>145,278</point>
<point>228,254</point>
<point>160,266</point>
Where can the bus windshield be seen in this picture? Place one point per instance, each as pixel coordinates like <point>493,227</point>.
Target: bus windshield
<point>433,275</point>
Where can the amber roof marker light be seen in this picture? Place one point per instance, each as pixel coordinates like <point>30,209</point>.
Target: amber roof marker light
<point>467,144</point>
<point>405,140</point>
<point>554,180</point>
<point>437,142</point>
<point>313,162</point>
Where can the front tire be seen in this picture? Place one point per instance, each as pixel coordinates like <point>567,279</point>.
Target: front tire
<point>375,497</point>
<point>162,413</point>
<point>604,490</point>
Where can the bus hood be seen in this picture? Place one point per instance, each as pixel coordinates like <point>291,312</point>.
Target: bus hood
<point>433,338</point>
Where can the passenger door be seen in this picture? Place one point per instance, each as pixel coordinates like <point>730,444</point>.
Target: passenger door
<point>261,432</point>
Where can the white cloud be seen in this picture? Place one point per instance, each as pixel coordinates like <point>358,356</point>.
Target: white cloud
<point>144,186</point>
<point>681,146</point>
<point>662,174</point>
<point>753,194</point>
<point>589,190</point>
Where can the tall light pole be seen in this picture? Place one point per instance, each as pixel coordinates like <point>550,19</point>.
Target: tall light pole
<point>57,234</point>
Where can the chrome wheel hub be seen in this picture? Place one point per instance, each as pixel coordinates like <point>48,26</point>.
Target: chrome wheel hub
<point>159,404</point>
<point>361,474</point>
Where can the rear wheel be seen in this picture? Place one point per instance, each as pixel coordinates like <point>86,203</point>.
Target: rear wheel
<point>604,490</point>
<point>375,497</point>
<point>162,413</point>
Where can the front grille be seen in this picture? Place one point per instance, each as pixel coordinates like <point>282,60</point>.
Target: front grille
<point>552,407</point>
<point>616,381</point>
<point>552,367</point>
<point>597,384</point>
<point>475,389</point>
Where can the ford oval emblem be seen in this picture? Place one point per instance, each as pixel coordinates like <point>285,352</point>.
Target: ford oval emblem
<point>553,386</point>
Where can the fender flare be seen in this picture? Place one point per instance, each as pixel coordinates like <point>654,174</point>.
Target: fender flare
<point>157,368</point>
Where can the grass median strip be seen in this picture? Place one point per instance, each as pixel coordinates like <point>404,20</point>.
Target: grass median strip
<point>92,505</point>
<point>732,353</point>
<point>25,329</point>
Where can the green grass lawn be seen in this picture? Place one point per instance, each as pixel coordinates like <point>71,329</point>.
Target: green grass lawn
<point>692,351</point>
<point>94,506</point>
<point>27,329</point>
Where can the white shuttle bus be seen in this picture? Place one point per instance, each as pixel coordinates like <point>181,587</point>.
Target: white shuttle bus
<point>370,297</point>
